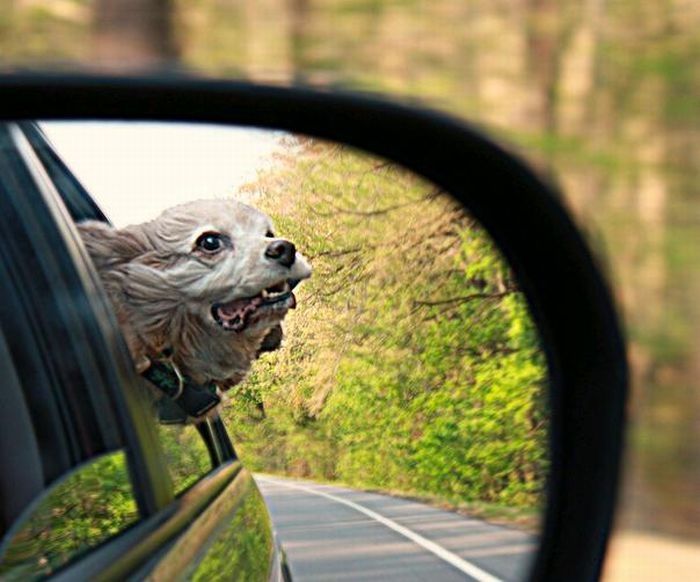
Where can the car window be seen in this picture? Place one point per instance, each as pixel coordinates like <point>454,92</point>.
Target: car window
<point>83,509</point>
<point>185,447</point>
<point>65,484</point>
<point>77,200</point>
<point>186,453</point>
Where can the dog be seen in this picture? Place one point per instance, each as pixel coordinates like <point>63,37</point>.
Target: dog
<point>207,282</point>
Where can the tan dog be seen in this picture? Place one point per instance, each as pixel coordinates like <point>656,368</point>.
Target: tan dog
<point>207,281</point>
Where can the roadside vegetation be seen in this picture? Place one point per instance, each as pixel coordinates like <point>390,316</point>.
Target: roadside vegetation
<point>411,363</point>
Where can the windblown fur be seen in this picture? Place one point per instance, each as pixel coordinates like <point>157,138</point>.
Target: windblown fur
<point>165,286</point>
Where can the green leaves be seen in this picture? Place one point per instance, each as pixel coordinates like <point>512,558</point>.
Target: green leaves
<point>411,362</point>
<point>92,503</point>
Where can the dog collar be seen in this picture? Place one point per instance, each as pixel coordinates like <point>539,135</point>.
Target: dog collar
<point>184,396</point>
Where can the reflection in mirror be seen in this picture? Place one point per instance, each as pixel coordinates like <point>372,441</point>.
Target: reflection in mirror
<point>186,454</point>
<point>243,547</point>
<point>92,503</point>
<point>410,367</point>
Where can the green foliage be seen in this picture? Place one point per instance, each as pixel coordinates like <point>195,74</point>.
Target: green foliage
<point>243,549</point>
<point>186,454</point>
<point>90,505</point>
<point>412,362</point>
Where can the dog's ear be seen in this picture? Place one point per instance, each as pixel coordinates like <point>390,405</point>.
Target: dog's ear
<point>109,246</point>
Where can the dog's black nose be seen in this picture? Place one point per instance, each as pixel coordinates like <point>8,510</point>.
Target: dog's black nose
<point>282,251</point>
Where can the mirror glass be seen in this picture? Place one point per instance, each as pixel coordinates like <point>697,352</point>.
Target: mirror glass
<point>399,388</point>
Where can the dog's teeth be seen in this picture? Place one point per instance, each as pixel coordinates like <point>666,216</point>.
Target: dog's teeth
<point>264,294</point>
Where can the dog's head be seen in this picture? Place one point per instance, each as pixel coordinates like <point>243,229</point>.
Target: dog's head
<point>212,268</point>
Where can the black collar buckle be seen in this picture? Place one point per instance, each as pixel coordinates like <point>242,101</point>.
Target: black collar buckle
<point>183,397</point>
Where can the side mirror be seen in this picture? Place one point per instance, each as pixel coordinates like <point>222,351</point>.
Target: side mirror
<point>555,271</point>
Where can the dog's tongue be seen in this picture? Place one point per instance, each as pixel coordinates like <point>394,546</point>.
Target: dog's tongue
<point>235,312</point>
<point>239,306</point>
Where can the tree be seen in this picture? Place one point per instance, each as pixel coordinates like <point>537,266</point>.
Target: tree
<point>135,34</point>
<point>411,362</point>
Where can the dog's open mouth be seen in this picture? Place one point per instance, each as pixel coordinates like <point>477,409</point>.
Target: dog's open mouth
<point>238,314</point>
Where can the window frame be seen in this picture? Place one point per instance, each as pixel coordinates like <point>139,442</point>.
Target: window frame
<point>113,377</point>
<point>58,375</point>
<point>81,206</point>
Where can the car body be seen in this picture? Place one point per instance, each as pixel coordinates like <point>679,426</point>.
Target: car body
<point>92,484</point>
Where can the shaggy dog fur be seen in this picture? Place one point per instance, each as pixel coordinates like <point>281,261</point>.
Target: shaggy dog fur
<point>207,280</point>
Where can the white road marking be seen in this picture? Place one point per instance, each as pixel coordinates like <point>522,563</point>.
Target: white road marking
<point>449,557</point>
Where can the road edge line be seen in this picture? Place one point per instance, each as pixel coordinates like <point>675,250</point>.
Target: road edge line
<point>446,555</point>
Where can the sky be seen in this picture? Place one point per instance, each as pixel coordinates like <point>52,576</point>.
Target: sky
<point>135,170</point>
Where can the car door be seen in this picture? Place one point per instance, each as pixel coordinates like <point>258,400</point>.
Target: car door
<point>92,484</point>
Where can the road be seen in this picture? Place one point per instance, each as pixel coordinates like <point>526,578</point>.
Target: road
<point>335,533</point>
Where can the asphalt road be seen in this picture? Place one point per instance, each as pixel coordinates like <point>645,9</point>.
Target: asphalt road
<point>335,533</point>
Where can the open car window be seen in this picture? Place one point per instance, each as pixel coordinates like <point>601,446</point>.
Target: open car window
<point>190,452</point>
<point>66,482</point>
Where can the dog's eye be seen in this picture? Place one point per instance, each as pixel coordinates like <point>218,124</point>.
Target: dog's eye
<point>270,234</point>
<point>210,242</point>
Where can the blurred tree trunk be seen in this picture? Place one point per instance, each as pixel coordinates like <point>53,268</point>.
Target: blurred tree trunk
<point>299,14</point>
<point>579,85</point>
<point>545,45</point>
<point>134,34</point>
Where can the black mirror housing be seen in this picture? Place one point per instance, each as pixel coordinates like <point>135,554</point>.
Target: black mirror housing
<point>569,298</point>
